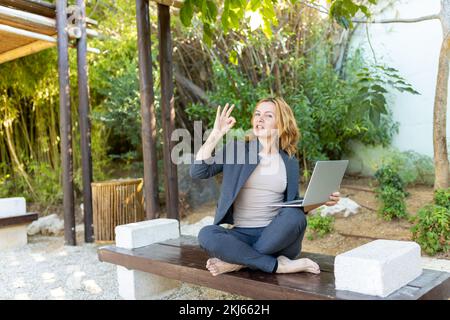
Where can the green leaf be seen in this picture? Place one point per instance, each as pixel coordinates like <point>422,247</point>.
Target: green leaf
<point>411,90</point>
<point>234,19</point>
<point>374,116</point>
<point>351,8</point>
<point>253,5</point>
<point>267,29</point>
<point>212,9</point>
<point>365,10</point>
<point>204,10</point>
<point>233,57</point>
<point>378,88</point>
<point>186,13</point>
<point>225,16</point>
<point>207,34</point>
<point>235,4</point>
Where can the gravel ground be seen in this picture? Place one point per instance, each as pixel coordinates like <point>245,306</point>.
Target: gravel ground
<point>47,269</point>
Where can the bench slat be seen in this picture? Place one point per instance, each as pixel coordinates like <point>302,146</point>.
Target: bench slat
<point>19,219</point>
<point>182,259</point>
<point>188,265</point>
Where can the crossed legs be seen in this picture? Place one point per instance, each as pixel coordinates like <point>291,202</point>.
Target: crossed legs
<point>270,249</point>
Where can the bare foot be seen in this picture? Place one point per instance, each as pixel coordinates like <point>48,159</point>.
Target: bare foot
<point>217,266</point>
<point>286,265</point>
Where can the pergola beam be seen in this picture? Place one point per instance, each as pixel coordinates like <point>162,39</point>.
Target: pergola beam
<point>65,123</point>
<point>167,110</point>
<point>26,50</point>
<point>38,7</point>
<point>36,20</point>
<point>85,126</point>
<point>41,8</point>
<point>35,35</point>
<point>148,131</point>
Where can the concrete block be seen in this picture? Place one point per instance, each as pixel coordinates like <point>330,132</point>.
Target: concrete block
<point>12,207</point>
<point>378,268</point>
<point>140,234</point>
<point>12,237</point>
<point>135,284</point>
<point>138,285</point>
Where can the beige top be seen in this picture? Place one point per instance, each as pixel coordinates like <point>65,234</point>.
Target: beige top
<point>266,185</point>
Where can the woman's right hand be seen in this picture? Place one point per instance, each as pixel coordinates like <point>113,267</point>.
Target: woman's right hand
<point>224,122</point>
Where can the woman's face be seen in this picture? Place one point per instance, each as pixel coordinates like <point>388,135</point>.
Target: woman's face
<point>264,120</point>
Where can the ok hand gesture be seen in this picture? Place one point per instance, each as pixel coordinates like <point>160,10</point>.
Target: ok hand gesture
<point>224,122</point>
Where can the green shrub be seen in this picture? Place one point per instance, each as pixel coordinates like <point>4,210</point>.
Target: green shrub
<point>393,203</point>
<point>442,198</point>
<point>46,182</point>
<point>413,168</point>
<point>330,110</point>
<point>432,230</point>
<point>391,192</point>
<point>319,226</point>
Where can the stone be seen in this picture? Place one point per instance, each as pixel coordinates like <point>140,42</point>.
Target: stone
<point>73,282</point>
<point>92,287</point>
<point>135,284</point>
<point>197,191</point>
<point>378,268</point>
<point>345,207</point>
<point>194,229</point>
<point>12,207</point>
<point>48,225</point>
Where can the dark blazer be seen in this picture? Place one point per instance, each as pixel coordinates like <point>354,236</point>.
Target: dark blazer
<point>236,172</point>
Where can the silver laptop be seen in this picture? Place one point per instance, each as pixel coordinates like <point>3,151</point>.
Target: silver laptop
<point>326,179</point>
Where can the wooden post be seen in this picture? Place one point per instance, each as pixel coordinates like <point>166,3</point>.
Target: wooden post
<point>167,109</point>
<point>85,126</point>
<point>65,122</point>
<point>147,110</point>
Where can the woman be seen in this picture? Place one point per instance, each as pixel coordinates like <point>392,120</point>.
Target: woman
<point>263,237</point>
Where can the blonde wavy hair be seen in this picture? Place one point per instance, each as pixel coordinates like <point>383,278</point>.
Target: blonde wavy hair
<point>286,124</point>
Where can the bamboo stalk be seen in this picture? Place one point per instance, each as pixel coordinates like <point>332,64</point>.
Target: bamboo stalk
<point>115,203</point>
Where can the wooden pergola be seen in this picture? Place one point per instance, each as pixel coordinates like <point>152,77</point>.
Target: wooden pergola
<point>29,26</point>
<point>148,109</point>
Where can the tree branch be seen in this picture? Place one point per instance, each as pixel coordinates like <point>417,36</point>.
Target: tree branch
<point>310,5</point>
<point>191,87</point>
<point>412,20</point>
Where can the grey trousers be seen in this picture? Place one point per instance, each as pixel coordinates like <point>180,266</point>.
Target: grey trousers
<point>257,248</point>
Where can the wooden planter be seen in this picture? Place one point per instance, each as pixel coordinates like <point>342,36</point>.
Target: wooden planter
<point>114,203</point>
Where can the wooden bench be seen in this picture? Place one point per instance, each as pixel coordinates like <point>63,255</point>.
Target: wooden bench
<point>19,219</point>
<point>14,221</point>
<point>182,259</point>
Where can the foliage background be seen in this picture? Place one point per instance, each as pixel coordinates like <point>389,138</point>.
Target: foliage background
<point>294,52</point>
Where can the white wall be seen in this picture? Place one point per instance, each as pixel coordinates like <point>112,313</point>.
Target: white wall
<point>413,49</point>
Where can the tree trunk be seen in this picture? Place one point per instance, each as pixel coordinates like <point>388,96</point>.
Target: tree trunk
<point>441,176</point>
<point>439,117</point>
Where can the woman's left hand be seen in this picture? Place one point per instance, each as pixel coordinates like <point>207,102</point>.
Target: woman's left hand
<point>334,199</point>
